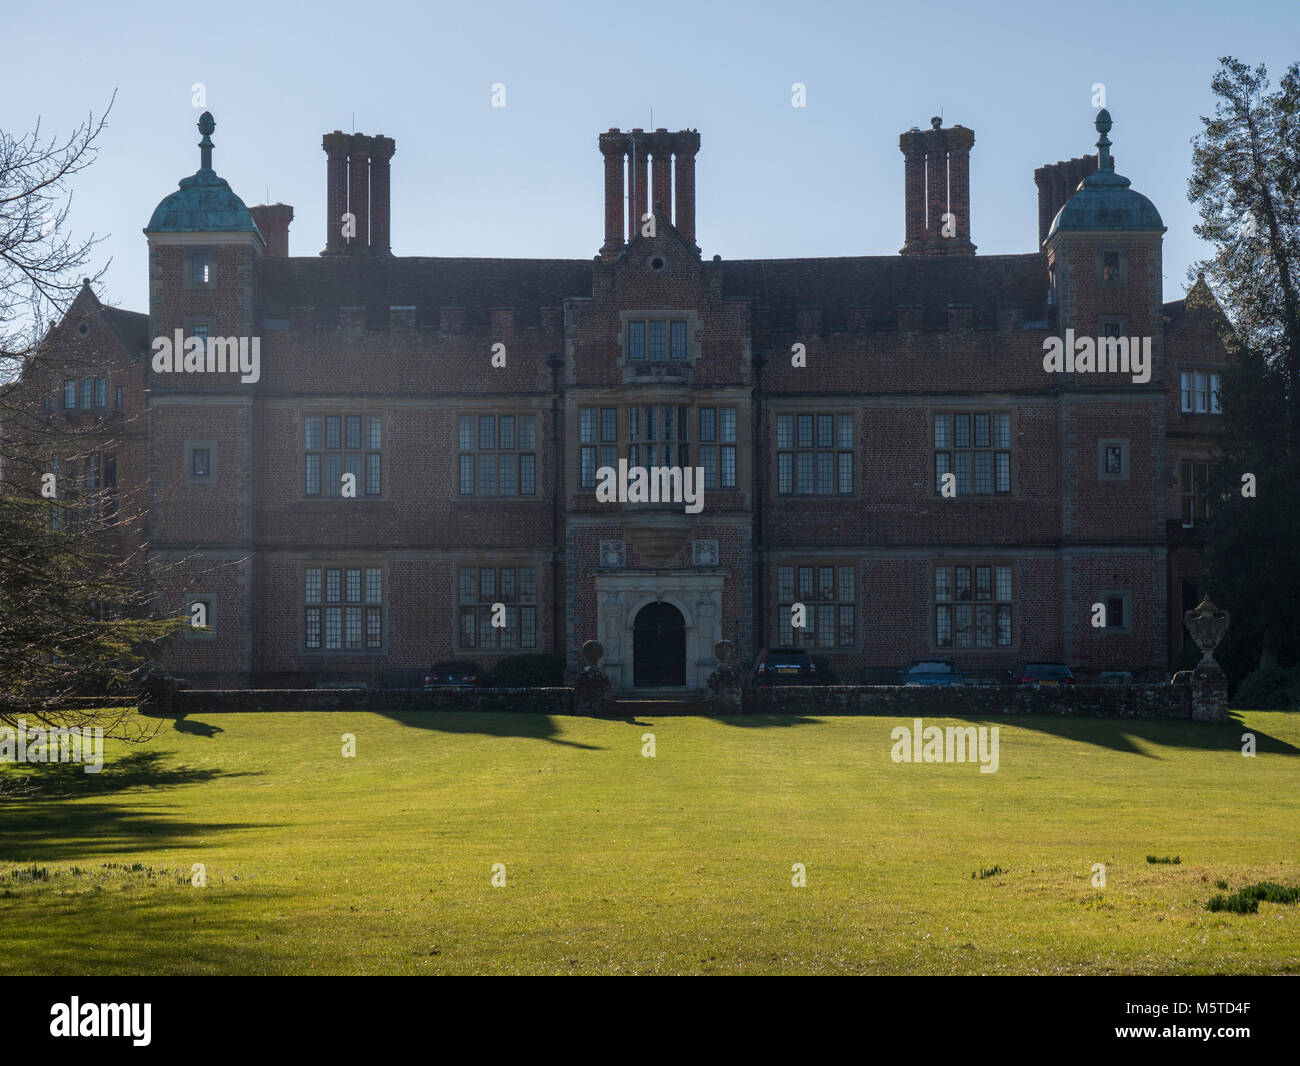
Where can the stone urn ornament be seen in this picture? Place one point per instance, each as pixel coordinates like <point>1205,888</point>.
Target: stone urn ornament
<point>592,652</point>
<point>592,689</point>
<point>726,683</point>
<point>1207,624</point>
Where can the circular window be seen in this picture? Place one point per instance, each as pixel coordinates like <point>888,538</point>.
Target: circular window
<point>83,329</point>
<point>657,264</point>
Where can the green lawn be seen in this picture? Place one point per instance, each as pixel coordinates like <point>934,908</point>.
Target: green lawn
<point>617,863</point>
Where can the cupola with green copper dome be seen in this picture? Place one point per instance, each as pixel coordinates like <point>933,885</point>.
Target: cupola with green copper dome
<point>204,202</point>
<point>1104,199</point>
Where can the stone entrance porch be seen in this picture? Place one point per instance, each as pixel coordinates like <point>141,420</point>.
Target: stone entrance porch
<point>696,593</point>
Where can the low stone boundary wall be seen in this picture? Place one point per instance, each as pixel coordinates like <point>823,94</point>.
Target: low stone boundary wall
<point>534,700</point>
<point>1095,701</point>
<point>956,701</point>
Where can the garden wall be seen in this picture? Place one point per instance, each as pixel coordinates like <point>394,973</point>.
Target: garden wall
<point>534,700</point>
<point>1095,701</point>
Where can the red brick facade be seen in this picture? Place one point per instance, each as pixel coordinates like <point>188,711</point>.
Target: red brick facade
<point>835,468</point>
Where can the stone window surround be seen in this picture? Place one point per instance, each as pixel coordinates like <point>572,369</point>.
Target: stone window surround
<point>816,561</point>
<point>200,249</point>
<point>1104,597</point>
<point>949,651</point>
<point>330,407</point>
<point>331,562</point>
<point>209,600</point>
<point>642,369</point>
<point>211,477</point>
<point>1111,442</point>
<point>497,564</point>
<point>820,406</point>
<point>1122,281</point>
<point>976,409</point>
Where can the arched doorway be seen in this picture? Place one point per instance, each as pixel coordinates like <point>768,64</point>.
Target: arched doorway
<point>658,646</point>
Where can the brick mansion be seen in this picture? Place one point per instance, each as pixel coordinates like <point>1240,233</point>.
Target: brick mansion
<point>876,438</point>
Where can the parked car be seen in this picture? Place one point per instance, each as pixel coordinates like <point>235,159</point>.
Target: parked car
<point>1116,677</point>
<point>931,672</point>
<point>1042,674</point>
<point>457,673</point>
<point>783,666</point>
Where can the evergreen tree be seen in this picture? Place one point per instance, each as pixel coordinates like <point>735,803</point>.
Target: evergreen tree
<point>1245,183</point>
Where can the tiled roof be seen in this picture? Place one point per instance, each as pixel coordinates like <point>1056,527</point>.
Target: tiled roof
<point>885,283</point>
<point>327,283</point>
<point>131,326</point>
<point>881,283</point>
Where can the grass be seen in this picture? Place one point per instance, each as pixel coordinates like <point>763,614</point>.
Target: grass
<point>616,863</point>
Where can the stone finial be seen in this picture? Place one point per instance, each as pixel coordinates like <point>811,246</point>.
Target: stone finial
<point>592,652</point>
<point>1103,124</point>
<point>206,125</point>
<point>724,651</point>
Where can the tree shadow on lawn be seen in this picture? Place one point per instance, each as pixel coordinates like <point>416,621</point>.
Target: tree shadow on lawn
<point>38,823</point>
<point>767,721</point>
<point>136,769</point>
<point>49,831</point>
<point>103,933</point>
<point>520,724</point>
<point>183,724</point>
<point>1119,734</point>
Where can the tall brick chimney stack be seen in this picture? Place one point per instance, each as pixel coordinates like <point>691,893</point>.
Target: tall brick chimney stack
<point>671,177</point>
<point>661,169</point>
<point>688,144</point>
<point>359,190</point>
<point>1056,183</point>
<point>612,147</point>
<point>273,223</point>
<point>936,182</point>
<point>336,194</point>
<point>381,213</point>
<point>638,193</point>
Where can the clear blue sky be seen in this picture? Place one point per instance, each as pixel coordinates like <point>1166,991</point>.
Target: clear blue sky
<point>523,181</point>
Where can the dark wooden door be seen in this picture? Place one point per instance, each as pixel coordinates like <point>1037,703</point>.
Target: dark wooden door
<point>659,646</point>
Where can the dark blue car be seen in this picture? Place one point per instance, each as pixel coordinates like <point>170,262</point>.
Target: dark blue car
<point>932,672</point>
